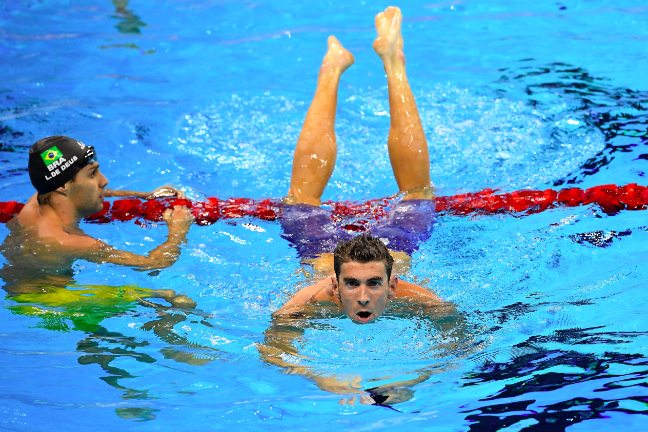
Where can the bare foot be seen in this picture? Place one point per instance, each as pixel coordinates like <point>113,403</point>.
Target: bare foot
<point>337,58</point>
<point>389,43</point>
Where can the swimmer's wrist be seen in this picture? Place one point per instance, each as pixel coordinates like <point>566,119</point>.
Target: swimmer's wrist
<point>177,233</point>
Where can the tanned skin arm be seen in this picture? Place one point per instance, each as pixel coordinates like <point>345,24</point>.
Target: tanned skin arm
<point>319,292</point>
<point>79,245</point>
<point>279,339</point>
<point>179,220</point>
<point>161,192</point>
<point>414,293</point>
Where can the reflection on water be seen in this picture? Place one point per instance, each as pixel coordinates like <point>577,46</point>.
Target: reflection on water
<point>85,308</point>
<point>102,347</point>
<point>599,384</point>
<point>96,353</point>
<point>129,22</point>
<point>620,114</point>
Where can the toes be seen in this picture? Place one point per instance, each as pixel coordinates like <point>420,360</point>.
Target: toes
<point>393,15</point>
<point>396,21</point>
<point>334,43</point>
<point>380,21</point>
<point>392,10</point>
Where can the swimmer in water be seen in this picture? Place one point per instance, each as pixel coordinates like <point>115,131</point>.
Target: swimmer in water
<point>362,283</point>
<point>45,238</point>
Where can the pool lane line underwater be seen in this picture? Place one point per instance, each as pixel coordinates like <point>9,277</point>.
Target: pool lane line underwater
<point>610,198</point>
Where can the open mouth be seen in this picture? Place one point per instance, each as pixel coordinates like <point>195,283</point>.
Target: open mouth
<point>364,316</point>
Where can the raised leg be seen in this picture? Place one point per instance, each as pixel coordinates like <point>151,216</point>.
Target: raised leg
<point>316,149</point>
<point>408,150</point>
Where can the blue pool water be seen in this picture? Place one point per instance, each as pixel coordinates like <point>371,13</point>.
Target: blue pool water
<point>210,96</point>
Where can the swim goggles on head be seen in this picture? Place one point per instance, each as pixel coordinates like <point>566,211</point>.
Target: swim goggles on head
<point>90,156</point>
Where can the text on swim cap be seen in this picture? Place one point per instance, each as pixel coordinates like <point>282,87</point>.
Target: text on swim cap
<point>57,163</point>
<point>59,166</point>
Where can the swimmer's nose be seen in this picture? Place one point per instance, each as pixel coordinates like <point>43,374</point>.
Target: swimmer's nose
<point>104,181</point>
<point>363,298</point>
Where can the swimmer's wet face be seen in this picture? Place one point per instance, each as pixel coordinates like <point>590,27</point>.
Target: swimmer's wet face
<point>86,190</point>
<point>363,281</point>
<point>363,290</point>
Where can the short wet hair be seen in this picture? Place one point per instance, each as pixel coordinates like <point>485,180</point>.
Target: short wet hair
<point>362,249</point>
<point>46,198</point>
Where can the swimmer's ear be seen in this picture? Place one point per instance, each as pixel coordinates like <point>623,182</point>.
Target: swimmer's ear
<point>61,190</point>
<point>334,284</point>
<point>393,285</point>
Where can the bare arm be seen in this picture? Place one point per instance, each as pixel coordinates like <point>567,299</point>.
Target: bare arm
<point>279,349</point>
<point>179,220</point>
<point>415,294</point>
<point>279,344</point>
<point>161,192</point>
<point>315,293</point>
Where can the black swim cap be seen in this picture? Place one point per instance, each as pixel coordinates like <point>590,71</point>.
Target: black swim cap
<point>54,161</point>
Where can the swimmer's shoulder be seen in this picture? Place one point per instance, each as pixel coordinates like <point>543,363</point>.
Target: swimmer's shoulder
<point>412,292</point>
<point>35,226</point>
<point>28,216</point>
<point>320,292</point>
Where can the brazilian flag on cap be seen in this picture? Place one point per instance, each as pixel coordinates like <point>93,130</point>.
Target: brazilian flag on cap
<point>51,155</point>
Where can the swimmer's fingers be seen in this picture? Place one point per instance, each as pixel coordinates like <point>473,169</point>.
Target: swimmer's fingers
<point>333,385</point>
<point>349,401</point>
<point>364,400</point>
<point>182,213</point>
<point>166,216</point>
<point>162,293</point>
<point>355,383</point>
<point>367,400</point>
<point>166,192</point>
<point>178,215</point>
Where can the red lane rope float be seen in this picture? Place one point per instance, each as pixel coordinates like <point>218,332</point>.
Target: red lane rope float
<point>360,216</point>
